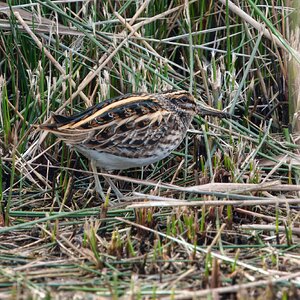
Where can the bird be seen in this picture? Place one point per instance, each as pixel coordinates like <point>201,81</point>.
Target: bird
<point>132,130</point>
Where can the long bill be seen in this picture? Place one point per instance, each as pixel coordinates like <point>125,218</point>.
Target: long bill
<point>205,110</point>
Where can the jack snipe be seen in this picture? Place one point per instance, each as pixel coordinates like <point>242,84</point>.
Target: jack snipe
<point>133,130</point>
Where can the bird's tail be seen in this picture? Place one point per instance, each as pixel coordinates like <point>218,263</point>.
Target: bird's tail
<point>59,126</point>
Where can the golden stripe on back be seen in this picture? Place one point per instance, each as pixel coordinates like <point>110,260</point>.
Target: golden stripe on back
<point>105,109</point>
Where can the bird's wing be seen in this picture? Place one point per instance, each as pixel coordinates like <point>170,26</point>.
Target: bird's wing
<point>133,129</point>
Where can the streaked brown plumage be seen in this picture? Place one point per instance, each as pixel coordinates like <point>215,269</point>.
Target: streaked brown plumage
<point>133,130</point>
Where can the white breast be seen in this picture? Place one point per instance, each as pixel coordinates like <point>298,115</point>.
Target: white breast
<point>112,162</point>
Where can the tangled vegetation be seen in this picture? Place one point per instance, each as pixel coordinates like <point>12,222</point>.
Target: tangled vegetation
<point>219,218</point>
